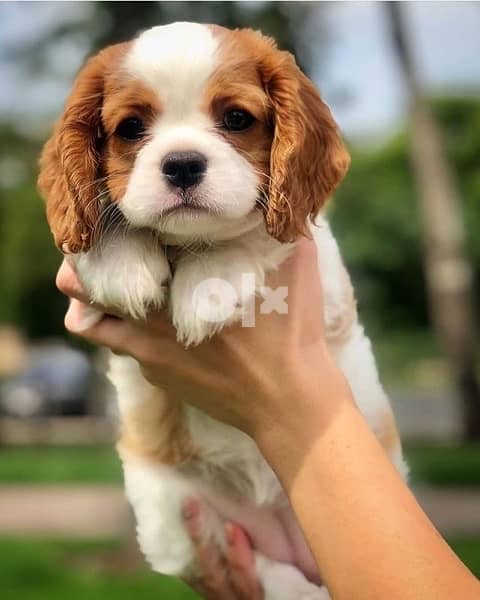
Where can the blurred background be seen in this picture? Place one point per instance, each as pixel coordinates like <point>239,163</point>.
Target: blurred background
<point>403,81</point>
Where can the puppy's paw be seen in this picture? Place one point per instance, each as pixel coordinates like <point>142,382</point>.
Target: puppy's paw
<point>211,292</point>
<point>127,273</point>
<point>202,308</point>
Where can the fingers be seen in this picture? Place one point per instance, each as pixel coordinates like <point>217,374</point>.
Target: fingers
<point>302,263</point>
<point>300,275</point>
<point>213,584</point>
<point>241,563</point>
<point>98,324</point>
<point>81,317</point>
<point>93,325</point>
<point>223,578</point>
<point>69,284</point>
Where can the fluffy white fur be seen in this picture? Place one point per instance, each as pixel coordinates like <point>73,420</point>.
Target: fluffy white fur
<point>131,272</point>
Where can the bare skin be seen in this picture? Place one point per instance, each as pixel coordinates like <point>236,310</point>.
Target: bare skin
<point>370,538</point>
<point>230,577</point>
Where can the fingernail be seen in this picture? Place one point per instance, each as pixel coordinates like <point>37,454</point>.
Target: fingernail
<point>81,317</point>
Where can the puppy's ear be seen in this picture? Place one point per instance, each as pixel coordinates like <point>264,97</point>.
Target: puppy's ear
<point>308,158</point>
<point>69,164</point>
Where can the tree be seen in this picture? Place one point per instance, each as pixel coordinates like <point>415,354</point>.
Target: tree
<point>448,273</point>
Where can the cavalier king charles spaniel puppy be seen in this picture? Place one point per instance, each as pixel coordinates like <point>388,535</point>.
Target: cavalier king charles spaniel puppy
<point>189,156</point>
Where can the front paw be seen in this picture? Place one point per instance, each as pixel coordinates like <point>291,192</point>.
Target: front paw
<point>201,309</point>
<point>127,274</point>
<point>134,291</point>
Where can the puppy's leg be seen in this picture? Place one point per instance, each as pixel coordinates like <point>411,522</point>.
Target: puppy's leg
<point>285,582</point>
<point>126,271</point>
<point>154,445</point>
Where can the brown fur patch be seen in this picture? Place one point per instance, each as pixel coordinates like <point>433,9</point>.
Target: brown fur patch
<point>237,84</point>
<point>124,98</point>
<point>156,431</point>
<point>69,164</point>
<point>307,158</point>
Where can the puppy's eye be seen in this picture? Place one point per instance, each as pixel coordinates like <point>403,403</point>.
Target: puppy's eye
<point>237,120</point>
<point>131,129</point>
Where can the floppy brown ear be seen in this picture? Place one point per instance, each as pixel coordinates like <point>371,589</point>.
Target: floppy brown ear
<point>308,159</point>
<point>69,164</point>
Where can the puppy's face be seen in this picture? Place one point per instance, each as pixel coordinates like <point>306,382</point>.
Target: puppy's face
<point>194,131</point>
<point>188,132</point>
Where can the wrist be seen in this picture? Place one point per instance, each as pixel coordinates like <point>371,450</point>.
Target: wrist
<point>303,413</point>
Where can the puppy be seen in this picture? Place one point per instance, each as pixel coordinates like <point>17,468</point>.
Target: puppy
<point>190,156</point>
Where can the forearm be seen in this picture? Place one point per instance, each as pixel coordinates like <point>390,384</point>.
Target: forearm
<point>368,534</point>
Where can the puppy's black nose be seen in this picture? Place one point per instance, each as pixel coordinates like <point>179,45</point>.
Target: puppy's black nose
<point>184,169</point>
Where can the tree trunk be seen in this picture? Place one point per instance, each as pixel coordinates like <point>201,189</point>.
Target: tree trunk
<point>447,269</point>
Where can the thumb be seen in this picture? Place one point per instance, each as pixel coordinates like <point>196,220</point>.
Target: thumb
<point>81,317</point>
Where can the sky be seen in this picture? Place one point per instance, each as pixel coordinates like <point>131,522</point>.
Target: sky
<point>360,78</point>
<point>446,40</point>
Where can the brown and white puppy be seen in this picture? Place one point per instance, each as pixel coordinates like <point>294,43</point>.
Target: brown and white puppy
<point>186,164</point>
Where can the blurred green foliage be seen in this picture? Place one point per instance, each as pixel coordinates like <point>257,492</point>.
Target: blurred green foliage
<point>376,220</point>
<point>374,217</point>
<point>28,258</point>
<point>444,465</point>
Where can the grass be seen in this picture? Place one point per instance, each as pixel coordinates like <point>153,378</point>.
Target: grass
<point>443,465</point>
<point>60,465</point>
<point>36,570</point>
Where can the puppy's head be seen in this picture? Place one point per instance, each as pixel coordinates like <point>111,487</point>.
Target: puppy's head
<point>194,131</point>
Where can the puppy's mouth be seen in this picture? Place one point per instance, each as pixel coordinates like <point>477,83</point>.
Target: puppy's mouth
<point>193,209</point>
<point>187,203</point>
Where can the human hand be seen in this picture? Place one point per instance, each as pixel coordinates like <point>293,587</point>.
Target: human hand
<point>247,377</point>
<point>228,576</point>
